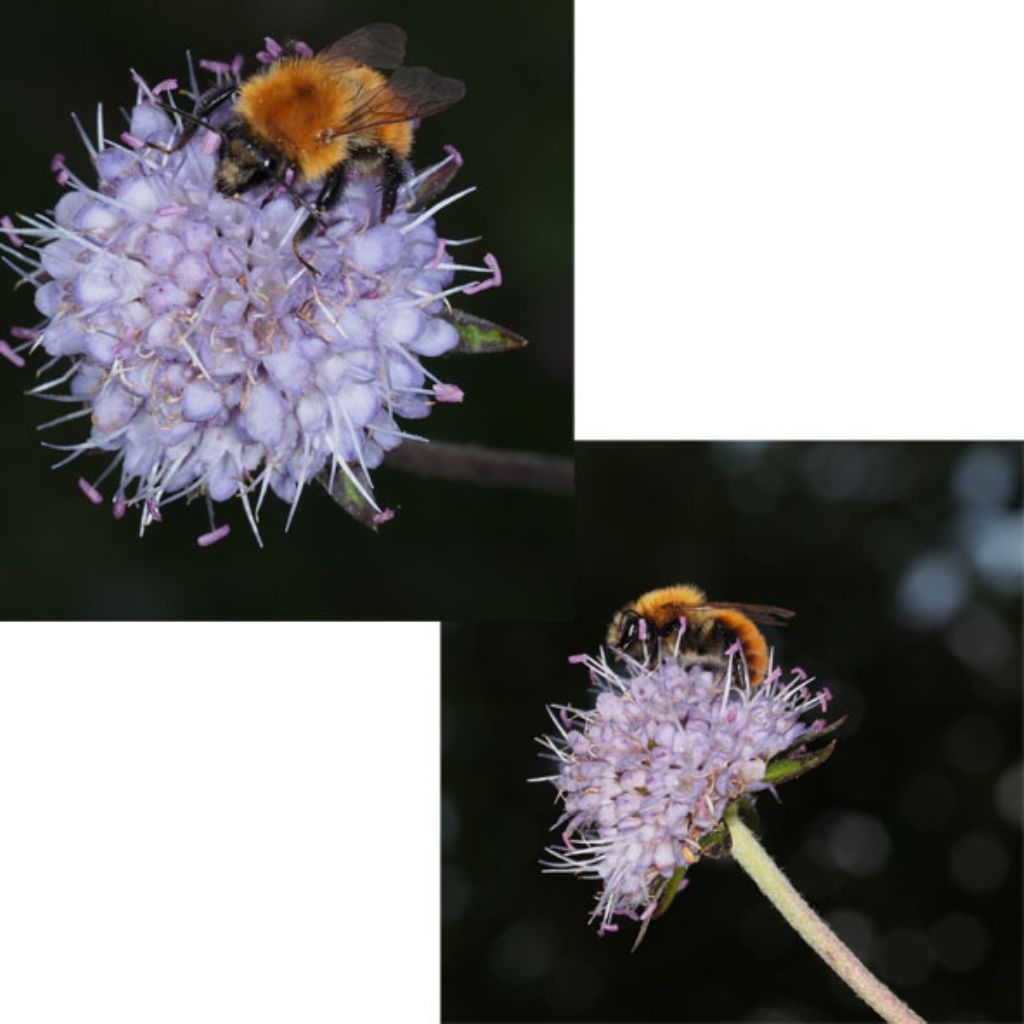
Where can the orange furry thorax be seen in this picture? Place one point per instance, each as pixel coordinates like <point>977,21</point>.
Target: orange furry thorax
<point>660,606</point>
<point>301,106</point>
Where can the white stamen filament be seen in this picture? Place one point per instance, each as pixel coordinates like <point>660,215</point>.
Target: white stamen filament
<point>427,214</point>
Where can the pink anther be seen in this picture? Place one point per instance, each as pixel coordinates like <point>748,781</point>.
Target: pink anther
<point>213,536</point>
<point>57,165</point>
<point>577,659</point>
<point>494,281</point>
<point>216,67</point>
<point>8,228</point>
<point>448,393</point>
<point>132,140</point>
<point>89,491</point>
<point>454,154</point>
<point>175,210</point>
<point>438,255</point>
<point>271,53</point>
<point>384,517</point>
<point>167,85</point>
<point>10,355</point>
<point>25,333</point>
<point>119,506</point>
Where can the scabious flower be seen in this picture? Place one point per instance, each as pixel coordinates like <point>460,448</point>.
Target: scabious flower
<point>645,775</point>
<point>209,360</point>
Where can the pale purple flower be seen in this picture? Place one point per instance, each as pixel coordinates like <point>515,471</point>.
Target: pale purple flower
<point>649,770</point>
<point>208,359</point>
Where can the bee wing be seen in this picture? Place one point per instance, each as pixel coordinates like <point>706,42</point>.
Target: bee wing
<point>423,93</point>
<point>409,93</point>
<point>380,45</point>
<point>766,614</point>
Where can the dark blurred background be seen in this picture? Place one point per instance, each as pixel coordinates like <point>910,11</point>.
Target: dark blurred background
<point>454,550</point>
<point>903,563</point>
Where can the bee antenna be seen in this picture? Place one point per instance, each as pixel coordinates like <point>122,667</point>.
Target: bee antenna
<point>198,121</point>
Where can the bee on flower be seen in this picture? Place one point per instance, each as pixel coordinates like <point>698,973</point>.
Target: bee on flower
<point>243,300</point>
<point>646,775</point>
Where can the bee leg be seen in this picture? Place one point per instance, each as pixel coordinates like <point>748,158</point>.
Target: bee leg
<point>330,191</point>
<point>298,255</point>
<point>394,175</point>
<point>311,222</point>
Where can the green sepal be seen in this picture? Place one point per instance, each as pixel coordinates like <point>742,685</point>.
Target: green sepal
<point>715,843</point>
<point>787,765</point>
<point>785,769</point>
<point>347,495</point>
<point>478,336</point>
<point>671,888</point>
<point>718,842</point>
<point>813,737</point>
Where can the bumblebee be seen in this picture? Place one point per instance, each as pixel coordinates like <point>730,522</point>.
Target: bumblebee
<point>310,118</point>
<point>700,631</point>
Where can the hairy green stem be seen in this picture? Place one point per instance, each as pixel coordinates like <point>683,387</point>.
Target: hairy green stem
<point>751,856</point>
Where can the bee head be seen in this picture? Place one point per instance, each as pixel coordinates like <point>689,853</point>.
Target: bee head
<point>624,630</point>
<point>244,163</point>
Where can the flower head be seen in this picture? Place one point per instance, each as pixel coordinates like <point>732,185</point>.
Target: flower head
<point>645,775</point>
<point>210,359</point>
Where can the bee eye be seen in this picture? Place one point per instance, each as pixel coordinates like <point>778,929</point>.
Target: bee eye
<point>630,628</point>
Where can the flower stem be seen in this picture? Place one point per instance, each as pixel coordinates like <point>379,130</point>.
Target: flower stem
<point>497,467</point>
<point>752,857</point>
